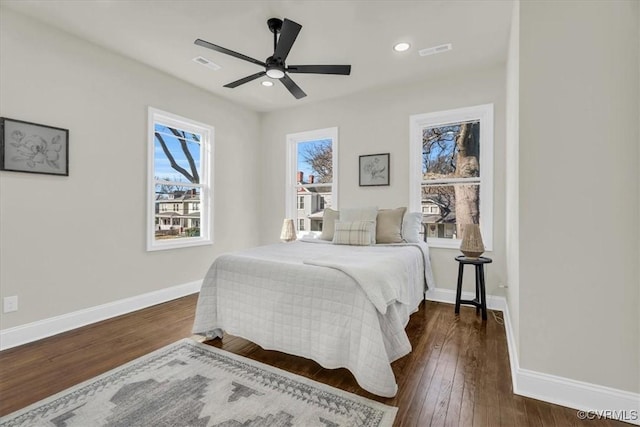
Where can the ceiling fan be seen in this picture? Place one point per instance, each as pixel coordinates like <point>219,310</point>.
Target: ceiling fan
<point>274,65</point>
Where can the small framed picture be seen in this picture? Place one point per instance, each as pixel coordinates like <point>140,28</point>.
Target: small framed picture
<point>374,170</point>
<point>30,147</point>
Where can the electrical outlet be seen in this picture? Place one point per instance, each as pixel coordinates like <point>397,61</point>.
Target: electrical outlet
<point>11,304</point>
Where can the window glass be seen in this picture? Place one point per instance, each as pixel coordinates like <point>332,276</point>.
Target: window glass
<point>311,177</point>
<point>179,182</point>
<point>453,182</point>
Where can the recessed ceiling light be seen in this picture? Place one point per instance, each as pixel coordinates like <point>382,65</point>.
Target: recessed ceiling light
<point>267,83</point>
<point>401,47</point>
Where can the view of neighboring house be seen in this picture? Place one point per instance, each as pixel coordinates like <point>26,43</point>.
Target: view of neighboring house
<point>311,199</point>
<point>438,225</point>
<point>177,214</point>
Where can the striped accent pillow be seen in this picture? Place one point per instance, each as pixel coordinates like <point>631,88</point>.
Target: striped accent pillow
<point>357,233</point>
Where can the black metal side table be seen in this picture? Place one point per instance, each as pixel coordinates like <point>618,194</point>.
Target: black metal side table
<point>480,301</point>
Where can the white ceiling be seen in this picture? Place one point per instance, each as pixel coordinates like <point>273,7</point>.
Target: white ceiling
<point>360,33</point>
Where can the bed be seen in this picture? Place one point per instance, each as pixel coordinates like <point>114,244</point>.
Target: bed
<point>339,305</point>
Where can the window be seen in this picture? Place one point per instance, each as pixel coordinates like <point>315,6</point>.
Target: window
<point>430,208</point>
<point>452,173</point>
<point>312,167</point>
<point>179,177</point>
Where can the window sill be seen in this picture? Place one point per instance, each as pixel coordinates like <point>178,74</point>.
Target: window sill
<point>183,243</point>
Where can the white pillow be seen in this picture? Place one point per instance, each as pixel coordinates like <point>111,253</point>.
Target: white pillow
<point>361,214</point>
<point>411,227</point>
<point>356,233</point>
<point>328,219</point>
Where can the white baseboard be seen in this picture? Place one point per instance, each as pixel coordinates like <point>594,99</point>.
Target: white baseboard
<point>598,401</point>
<point>449,296</point>
<point>23,334</point>
<point>595,399</point>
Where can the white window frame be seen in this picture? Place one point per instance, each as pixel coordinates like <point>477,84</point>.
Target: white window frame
<point>417,122</point>
<point>293,139</point>
<point>205,186</point>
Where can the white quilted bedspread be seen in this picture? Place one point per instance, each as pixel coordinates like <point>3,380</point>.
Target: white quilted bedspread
<point>273,296</point>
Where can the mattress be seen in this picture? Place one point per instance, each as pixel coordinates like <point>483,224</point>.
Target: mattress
<point>299,299</point>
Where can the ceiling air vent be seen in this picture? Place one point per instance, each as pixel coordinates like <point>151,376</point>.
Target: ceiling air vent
<point>204,61</point>
<point>435,49</point>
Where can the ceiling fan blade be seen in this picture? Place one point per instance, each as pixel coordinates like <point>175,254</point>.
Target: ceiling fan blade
<point>344,70</point>
<point>221,49</point>
<point>293,87</point>
<point>245,80</point>
<point>288,35</point>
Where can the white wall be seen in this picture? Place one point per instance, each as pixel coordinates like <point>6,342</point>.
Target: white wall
<point>378,122</point>
<point>579,195</point>
<point>69,243</point>
<point>512,162</point>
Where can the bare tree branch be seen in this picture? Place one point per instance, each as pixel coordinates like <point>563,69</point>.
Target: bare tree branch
<point>173,162</point>
<point>441,196</point>
<point>181,136</point>
<point>320,158</point>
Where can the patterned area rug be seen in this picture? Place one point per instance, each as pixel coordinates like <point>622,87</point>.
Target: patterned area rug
<point>193,384</point>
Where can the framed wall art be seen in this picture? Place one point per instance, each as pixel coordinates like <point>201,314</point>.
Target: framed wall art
<point>34,148</point>
<point>374,170</point>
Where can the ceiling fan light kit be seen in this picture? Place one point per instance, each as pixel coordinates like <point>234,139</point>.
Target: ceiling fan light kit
<point>275,73</point>
<point>274,65</point>
<point>275,69</point>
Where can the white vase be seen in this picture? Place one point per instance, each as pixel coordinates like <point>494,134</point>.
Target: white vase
<point>288,232</point>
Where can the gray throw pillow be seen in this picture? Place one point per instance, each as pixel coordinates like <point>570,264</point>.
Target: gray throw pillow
<point>389,225</point>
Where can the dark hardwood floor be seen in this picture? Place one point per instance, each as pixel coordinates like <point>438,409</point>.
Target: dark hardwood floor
<point>457,374</point>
